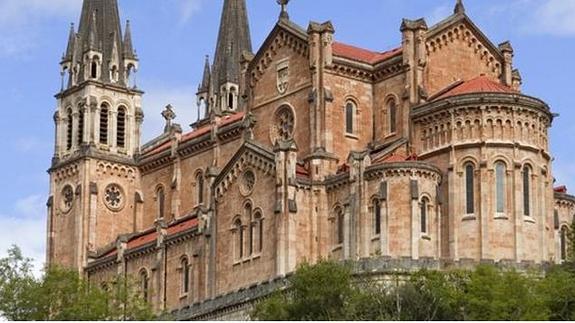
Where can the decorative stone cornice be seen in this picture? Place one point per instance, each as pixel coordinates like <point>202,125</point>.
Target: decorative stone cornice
<point>408,169</point>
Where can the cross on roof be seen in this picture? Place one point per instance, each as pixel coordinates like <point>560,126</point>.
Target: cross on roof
<point>283,4</point>
<point>168,115</point>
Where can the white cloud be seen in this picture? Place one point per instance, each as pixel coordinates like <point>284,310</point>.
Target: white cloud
<point>26,228</point>
<point>188,8</point>
<point>182,98</point>
<point>19,12</point>
<point>556,17</point>
<point>438,14</point>
<point>20,21</point>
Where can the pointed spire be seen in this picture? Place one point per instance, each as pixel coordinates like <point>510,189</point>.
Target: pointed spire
<point>93,41</point>
<point>128,47</point>
<point>233,39</point>
<point>459,7</point>
<point>100,30</point>
<point>69,54</point>
<point>205,86</point>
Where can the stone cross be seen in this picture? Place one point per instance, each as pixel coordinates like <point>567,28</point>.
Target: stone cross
<point>283,4</point>
<point>169,115</point>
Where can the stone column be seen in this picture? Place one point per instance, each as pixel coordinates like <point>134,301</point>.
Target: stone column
<point>74,138</point>
<point>415,219</point>
<point>518,216</point>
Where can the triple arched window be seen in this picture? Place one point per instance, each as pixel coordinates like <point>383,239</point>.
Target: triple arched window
<point>250,242</point>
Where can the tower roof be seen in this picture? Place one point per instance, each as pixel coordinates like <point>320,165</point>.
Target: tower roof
<point>205,86</point>
<point>99,30</point>
<point>233,39</point>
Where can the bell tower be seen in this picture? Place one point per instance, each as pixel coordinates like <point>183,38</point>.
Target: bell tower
<point>220,86</point>
<point>93,177</point>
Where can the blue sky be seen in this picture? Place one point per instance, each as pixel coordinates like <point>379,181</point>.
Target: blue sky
<point>172,37</point>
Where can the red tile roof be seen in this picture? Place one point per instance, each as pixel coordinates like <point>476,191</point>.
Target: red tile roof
<point>481,84</point>
<point>561,189</point>
<point>196,133</point>
<point>301,171</point>
<point>151,236</point>
<point>363,55</point>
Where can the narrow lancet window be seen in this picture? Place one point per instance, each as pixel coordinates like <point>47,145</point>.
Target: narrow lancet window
<point>349,117</point>
<point>469,189</point>
<point>392,106</point>
<point>526,191</point>
<point>104,124</point>
<point>500,171</point>
<point>121,128</point>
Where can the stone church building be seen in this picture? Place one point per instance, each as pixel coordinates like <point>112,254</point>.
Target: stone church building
<point>426,155</point>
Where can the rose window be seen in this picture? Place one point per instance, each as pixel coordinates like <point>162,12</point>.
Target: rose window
<point>67,198</point>
<point>285,123</point>
<point>248,182</point>
<point>114,197</point>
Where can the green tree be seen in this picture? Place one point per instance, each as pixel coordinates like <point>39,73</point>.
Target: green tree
<point>558,292</point>
<point>64,295</point>
<point>321,292</point>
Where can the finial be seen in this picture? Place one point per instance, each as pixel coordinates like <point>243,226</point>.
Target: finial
<point>284,14</point>
<point>459,7</point>
<point>169,115</point>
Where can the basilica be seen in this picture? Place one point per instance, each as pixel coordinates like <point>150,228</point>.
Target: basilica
<point>427,155</point>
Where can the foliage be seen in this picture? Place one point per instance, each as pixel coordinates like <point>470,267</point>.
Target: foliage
<point>64,295</point>
<point>329,291</point>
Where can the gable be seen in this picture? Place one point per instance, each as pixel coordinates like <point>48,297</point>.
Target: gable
<point>249,156</point>
<point>458,50</point>
<point>286,43</point>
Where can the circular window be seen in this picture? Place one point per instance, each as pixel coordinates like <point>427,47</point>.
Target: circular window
<point>248,182</point>
<point>284,124</point>
<point>114,197</point>
<point>67,200</point>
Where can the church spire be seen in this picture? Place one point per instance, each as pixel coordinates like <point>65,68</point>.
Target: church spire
<point>459,7</point>
<point>69,54</point>
<point>205,85</point>
<point>128,47</point>
<point>233,39</point>
<point>100,33</point>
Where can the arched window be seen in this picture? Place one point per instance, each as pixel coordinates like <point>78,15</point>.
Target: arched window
<point>70,124</point>
<point>185,275</point>
<point>200,188</point>
<point>80,139</point>
<point>423,214</point>
<point>160,199</point>
<point>339,218</point>
<point>239,241</point>
<point>349,117</point>
<point>259,224</point>
<point>248,215</point>
<point>526,191</point>
<point>392,110</point>
<point>121,128</point>
<point>144,285</point>
<point>94,69</point>
<point>563,243</point>
<point>469,189</point>
<point>500,170</point>
<point>231,101</point>
<point>376,217</point>
<point>104,110</point>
